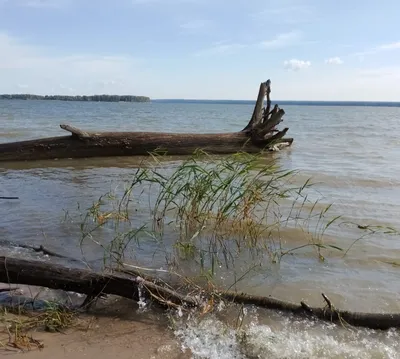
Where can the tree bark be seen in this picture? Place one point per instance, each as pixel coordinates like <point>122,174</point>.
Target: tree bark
<point>54,276</point>
<point>256,137</point>
<point>130,144</point>
<point>44,274</point>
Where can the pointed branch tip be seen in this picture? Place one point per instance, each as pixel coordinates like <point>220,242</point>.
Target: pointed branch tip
<point>74,131</point>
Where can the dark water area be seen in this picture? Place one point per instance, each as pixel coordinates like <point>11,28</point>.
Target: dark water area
<point>351,157</point>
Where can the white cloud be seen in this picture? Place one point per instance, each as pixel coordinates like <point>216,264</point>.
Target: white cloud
<point>40,70</point>
<point>334,61</point>
<point>390,46</point>
<point>296,65</point>
<point>282,40</point>
<point>221,48</point>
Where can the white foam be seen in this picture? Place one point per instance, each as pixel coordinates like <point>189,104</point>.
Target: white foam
<point>295,339</point>
<point>209,338</point>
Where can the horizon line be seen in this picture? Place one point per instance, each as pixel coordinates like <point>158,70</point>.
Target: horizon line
<point>149,99</point>
<point>275,101</point>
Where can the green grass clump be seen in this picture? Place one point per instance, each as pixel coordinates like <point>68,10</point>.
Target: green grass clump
<point>209,211</point>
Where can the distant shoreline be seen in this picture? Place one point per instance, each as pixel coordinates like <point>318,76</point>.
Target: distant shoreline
<point>83,98</point>
<point>130,98</point>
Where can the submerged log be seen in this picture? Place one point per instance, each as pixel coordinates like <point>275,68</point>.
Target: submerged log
<point>257,136</point>
<point>45,274</point>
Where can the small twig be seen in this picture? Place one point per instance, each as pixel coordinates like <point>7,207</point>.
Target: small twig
<point>328,301</point>
<point>2,197</point>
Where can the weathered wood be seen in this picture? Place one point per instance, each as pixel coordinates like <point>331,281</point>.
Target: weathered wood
<point>381,321</point>
<point>128,144</point>
<point>45,274</point>
<point>268,126</point>
<point>257,117</point>
<point>268,92</point>
<point>253,139</point>
<point>54,276</point>
<point>74,131</point>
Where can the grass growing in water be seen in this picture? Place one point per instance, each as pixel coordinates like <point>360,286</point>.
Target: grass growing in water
<point>207,213</point>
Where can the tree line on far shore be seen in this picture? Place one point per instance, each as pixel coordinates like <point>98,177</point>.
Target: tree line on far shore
<point>97,98</point>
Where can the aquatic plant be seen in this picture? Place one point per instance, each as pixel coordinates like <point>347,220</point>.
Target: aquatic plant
<point>207,213</point>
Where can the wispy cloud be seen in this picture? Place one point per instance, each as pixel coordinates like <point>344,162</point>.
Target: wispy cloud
<point>282,40</point>
<point>377,49</point>
<point>287,12</point>
<point>390,46</point>
<point>221,48</point>
<point>334,61</point>
<point>296,65</point>
<point>38,69</point>
<point>279,41</point>
<point>392,72</point>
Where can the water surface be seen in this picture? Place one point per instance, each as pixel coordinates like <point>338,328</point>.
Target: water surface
<point>352,157</point>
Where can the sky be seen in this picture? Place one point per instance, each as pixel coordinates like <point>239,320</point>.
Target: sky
<point>202,49</point>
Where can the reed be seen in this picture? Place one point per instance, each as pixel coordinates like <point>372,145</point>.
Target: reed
<point>207,212</point>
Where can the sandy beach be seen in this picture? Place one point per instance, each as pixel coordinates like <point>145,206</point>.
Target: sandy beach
<point>111,338</point>
<point>113,328</point>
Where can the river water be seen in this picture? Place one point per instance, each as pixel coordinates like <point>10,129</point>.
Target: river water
<point>351,153</point>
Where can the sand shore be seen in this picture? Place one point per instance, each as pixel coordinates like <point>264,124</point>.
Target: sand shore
<point>115,328</point>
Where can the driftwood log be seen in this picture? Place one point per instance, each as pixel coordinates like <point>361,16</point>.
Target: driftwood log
<point>260,134</point>
<point>44,274</point>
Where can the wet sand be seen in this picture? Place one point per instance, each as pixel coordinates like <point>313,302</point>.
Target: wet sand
<point>115,328</point>
<point>111,338</point>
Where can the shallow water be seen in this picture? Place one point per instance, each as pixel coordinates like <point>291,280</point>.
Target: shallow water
<point>352,159</point>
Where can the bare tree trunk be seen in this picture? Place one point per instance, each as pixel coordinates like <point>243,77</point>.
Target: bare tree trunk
<point>54,276</point>
<point>44,274</point>
<point>131,144</point>
<point>256,137</point>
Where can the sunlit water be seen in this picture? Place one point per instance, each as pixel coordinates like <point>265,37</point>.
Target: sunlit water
<point>350,152</point>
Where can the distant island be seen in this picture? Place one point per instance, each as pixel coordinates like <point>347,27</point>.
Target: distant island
<point>97,98</point>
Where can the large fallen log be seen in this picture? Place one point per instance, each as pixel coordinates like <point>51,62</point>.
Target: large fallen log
<point>84,281</point>
<point>260,134</point>
<point>45,274</point>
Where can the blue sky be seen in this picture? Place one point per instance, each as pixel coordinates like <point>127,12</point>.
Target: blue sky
<point>205,49</point>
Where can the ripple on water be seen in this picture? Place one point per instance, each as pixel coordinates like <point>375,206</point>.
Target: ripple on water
<point>358,174</point>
